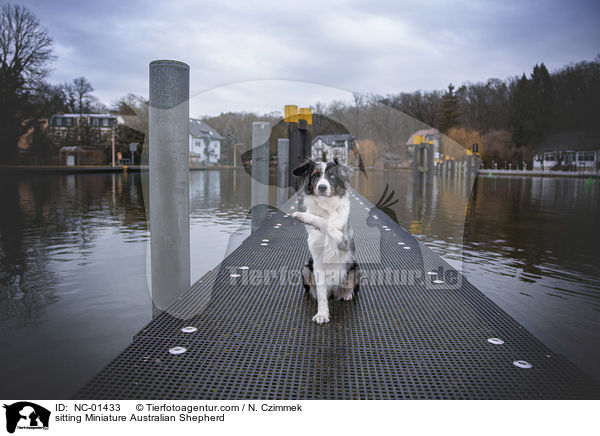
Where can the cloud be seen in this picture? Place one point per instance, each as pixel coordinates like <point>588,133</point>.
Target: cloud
<point>373,46</point>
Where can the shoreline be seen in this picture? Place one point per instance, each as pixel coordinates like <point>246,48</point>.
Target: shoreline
<point>538,173</point>
<point>56,169</point>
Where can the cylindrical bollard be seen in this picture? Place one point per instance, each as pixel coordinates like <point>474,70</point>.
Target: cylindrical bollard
<point>169,181</point>
<point>283,162</point>
<point>260,172</point>
<point>300,150</point>
<point>430,159</point>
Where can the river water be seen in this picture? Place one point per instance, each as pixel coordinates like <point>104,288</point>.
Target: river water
<point>73,255</point>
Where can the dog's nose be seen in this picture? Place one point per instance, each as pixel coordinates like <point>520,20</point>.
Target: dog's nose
<point>322,188</point>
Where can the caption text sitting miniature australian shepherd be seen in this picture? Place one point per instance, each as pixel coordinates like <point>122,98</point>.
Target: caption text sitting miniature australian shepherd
<point>331,269</point>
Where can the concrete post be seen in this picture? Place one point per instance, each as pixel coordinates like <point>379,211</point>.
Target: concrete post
<point>299,150</point>
<point>422,158</point>
<point>260,172</point>
<point>169,181</point>
<point>430,159</point>
<point>283,163</point>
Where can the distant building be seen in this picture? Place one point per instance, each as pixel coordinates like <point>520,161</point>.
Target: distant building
<point>205,144</point>
<point>332,146</point>
<point>392,160</point>
<point>568,151</point>
<point>69,129</point>
<point>86,139</point>
<point>79,134</point>
<point>426,136</point>
<point>73,156</point>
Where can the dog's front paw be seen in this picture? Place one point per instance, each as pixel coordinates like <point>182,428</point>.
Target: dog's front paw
<point>321,318</point>
<point>348,297</point>
<point>299,216</point>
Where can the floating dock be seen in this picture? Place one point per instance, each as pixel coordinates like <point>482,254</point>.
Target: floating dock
<point>245,331</point>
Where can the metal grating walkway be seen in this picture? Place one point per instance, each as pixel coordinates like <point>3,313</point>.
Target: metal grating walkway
<point>255,337</point>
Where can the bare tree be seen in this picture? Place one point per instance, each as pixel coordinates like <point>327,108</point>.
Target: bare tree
<point>359,104</point>
<point>25,55</point>
<point>25,46</point>
<point>79,95</point>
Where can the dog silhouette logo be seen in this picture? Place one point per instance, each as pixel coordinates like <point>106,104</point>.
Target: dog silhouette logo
<point>26,415</point>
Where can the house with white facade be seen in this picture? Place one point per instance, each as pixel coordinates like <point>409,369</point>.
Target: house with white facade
<point>205,144</point>
<point>332,146</point>
<point>568,151</point>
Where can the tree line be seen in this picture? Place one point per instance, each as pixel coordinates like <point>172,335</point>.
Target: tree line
<point>508,118</point>
<point>27,100</point>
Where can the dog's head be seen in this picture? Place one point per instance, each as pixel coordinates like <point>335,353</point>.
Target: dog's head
<point>324,179</point>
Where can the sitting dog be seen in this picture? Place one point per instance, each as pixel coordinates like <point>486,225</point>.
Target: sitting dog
<point>331,270</point>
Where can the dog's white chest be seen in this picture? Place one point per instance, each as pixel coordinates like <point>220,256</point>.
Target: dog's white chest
<point>325,245</point>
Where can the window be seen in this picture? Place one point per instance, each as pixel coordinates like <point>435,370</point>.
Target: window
<point>569,156</point>
<point>105,122</point>
<point>58,121</point>
<point>585,156</point>
<point>549,157</point>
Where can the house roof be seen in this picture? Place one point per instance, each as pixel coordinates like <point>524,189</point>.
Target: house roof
<point>333,138</point>
<point>198,129</point>
<point>85,115</point>
<point>72,148</point>
<point>578,140</point>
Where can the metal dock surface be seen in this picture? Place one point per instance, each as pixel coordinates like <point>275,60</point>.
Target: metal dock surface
<point>255,338</point>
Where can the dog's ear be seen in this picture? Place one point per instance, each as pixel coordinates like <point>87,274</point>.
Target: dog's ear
<point>343,170</point>
<point>304,168</point>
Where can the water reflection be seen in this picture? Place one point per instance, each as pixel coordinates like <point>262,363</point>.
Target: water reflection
<point>219,221</point>
<point>530,244</point>
<point>53,219</point>
<point>428,207</point>
<point>70,294</point>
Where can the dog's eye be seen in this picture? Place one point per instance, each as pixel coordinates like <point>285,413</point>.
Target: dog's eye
<point>332,176</point>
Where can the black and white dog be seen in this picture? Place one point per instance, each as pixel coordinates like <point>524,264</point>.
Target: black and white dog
<point>331,270</point>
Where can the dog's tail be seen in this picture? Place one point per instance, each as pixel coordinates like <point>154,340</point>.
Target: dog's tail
<point>385,204</point>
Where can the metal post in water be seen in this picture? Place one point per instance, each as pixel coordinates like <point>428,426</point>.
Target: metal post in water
<point>169,181</point>
<point>430,159</point>
<point>300,151</point>
<point>260,172</point>
<point>283,162</point>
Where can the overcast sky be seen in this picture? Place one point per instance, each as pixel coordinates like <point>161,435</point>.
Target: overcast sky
<point>361,46</point>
